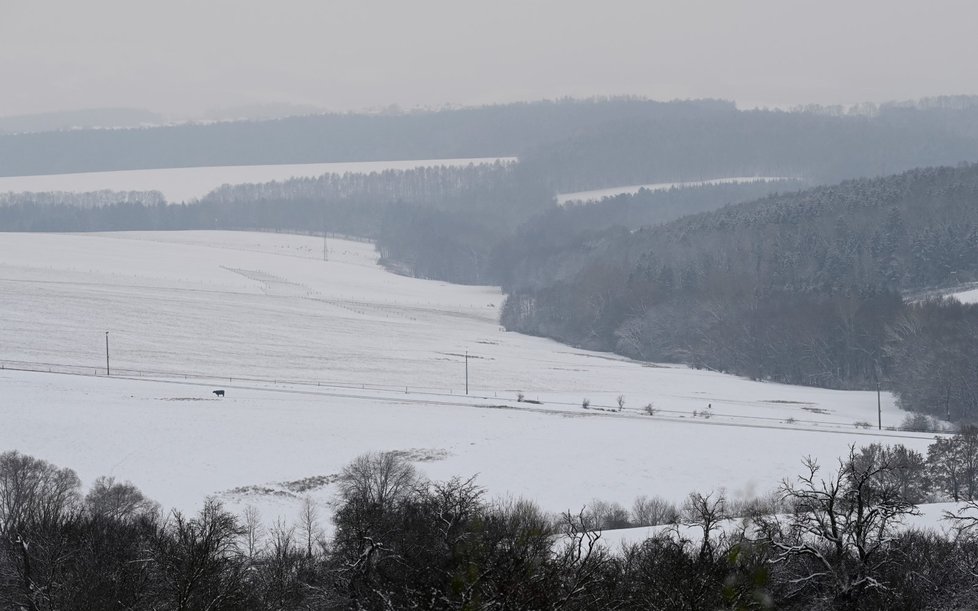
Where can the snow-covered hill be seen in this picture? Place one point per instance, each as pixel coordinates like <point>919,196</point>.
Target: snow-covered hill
<point>322,361</point>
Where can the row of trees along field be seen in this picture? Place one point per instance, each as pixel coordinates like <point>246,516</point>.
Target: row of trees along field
<point>439,222</point>
<point>828,539</point>
<point>801,288</point>
<point>447,223</point>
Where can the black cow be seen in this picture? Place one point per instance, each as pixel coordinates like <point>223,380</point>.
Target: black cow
<point>219,393</point>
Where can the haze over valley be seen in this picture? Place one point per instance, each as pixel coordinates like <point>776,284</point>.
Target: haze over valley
<point>488,306</point>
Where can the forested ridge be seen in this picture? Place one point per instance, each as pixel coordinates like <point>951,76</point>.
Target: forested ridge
<point>489,131</point>
<point>802,288</point>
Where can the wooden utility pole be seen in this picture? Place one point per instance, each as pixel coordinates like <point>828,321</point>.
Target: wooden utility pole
<point>107,353</point>
<point>879,401</point>
<point>879,406</point>
<point>466,372</point>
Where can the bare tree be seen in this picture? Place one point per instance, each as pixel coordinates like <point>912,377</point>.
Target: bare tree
<point>457,502</point>
<point>835,539</point>
<point>282,540</point>
<point>118,501</point>
<point>965,523</point>
<point>254,531</point>
<point>907,472</point>
<point>377,478</point>
<point>953,463</point>
<point>199,558</point>
<point>604,515</point>
<point>653,511</point>
<point>309,522</point>
<point>708,512</point>
<point>581,559</point>
<point>34,490</point>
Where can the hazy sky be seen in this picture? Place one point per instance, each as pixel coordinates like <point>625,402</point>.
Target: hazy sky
<point>187,56</point>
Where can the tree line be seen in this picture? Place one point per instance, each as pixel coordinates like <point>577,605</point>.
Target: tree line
<point>828,539</point>
<point>461,224</point>
<point>434,222</point>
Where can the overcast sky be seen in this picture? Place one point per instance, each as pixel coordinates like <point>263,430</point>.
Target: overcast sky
<point>183,57</point>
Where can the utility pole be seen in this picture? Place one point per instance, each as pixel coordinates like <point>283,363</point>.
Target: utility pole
<point>879,406</point>
<point>466,372</point>
<point>324,244</point>
<point>879,401</point>
<point>106,353</point>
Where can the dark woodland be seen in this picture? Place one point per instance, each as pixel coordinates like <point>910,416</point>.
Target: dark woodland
<point>830,538</point>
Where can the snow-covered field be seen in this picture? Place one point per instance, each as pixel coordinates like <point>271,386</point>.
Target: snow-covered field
<point>584,197</point>
<point>322,361</point>
<point>184,184</point>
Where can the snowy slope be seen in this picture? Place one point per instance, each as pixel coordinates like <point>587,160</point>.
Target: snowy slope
<point>324,360</point>
<point>584,197</point>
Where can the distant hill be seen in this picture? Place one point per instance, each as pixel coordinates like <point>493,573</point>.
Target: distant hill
<point>569,144</point>
<point>112,118</point>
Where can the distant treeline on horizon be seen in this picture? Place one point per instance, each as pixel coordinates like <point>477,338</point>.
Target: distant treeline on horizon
<point>570,144</point>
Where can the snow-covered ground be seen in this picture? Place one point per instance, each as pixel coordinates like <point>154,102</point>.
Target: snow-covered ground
<point>322,361</point>
<point>184,184</point>
<point>970,295</point>
<point>932,517</point>
<point>584,197</point>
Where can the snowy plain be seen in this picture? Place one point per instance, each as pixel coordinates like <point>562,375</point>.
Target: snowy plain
<point>324,360</point>
<point>185,184</point>
<point>585,197</point>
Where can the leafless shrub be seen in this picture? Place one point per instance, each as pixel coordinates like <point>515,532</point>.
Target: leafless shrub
<point>920,423</point>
